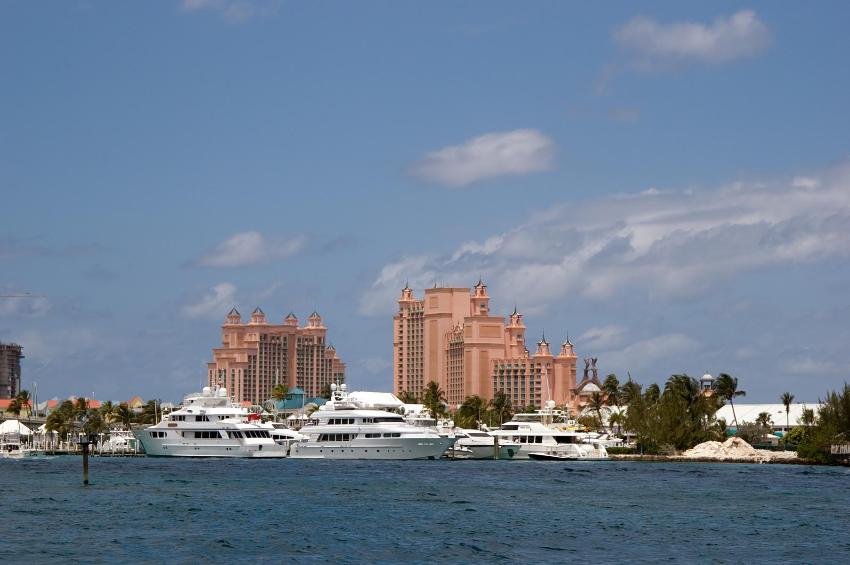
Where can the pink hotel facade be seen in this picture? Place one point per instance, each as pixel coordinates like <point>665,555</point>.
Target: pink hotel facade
<point>256,356</point>
<point>451,338</point>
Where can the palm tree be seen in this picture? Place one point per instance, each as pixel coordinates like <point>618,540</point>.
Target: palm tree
<point>408,397</point>
<point>726,387</point>
<point>469,413</point>
<point>23,399</point>
<point>611,388</point>
<point>279,394</point>
<point>326,391</point>
<point>124,414</point>
<point>787,398</point>
<point>15,406</point>
<point>617,419</point>
<point>653,393</point>
<point>596,403</point>
<point>107,411</point>
<point>763,419</point>
<point>434,399</point>
<point>501,405</point>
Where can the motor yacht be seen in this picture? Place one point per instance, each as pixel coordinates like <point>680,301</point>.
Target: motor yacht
<point>482,445</point>
<point>549,431</point>
<point>360,425</point>
<point>209,424</point>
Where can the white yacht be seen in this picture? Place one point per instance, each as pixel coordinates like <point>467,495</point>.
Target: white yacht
<point>119,442</point>
<point>547,432</point>
<point>359,426</point>
<point>482,444</point>
<point>210,425</point>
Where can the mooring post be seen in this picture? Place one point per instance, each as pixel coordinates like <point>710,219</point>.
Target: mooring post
<point>496,447</point>
<point>84,443</point>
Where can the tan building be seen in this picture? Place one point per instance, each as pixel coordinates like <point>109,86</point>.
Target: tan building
<point>256,356</point>
<point>451,338</point>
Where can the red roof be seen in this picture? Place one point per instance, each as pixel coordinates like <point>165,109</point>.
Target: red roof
<point>5,402</point>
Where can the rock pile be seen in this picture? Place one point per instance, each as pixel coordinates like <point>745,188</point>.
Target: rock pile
<point>735,448</point>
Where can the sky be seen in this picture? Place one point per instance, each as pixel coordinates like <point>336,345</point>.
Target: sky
<point>666,183</point>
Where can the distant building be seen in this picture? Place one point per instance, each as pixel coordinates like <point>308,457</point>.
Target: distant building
<point>779,421</point>
<point>450,337</point>
<point>10,369</point>
<point>256,355</point>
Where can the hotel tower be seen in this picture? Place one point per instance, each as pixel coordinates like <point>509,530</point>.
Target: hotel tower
<point>451,338</point>
<point>256,356</point>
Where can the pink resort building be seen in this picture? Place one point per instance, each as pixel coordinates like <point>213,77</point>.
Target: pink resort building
<point>256,355</point>
<point>450,337</point>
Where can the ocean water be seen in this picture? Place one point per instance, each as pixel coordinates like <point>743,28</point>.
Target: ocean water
<point>216,510</point>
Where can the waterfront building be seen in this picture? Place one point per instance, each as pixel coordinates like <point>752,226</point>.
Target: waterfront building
<point>451,338</point>
<point>10,369</point>
<point>779,420</point>
<point>255,356</point>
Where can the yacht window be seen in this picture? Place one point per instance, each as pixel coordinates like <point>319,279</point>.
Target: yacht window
<point>373,435</point>
<point>396,434</point>
<point>389,419</point>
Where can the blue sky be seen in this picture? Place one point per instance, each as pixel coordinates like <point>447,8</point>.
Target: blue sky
<point>668,183</point>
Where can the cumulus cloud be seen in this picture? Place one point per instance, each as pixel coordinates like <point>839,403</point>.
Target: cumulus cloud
<point>654,44</point>
<point>491,155</point>
<point>215,303</point>
<point>233,11</point>
<point>250,248</point>
<point>662,245</point>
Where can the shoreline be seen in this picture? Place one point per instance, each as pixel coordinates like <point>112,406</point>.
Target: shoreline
<point>683,459</point>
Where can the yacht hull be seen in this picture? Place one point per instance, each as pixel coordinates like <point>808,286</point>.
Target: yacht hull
<point>155,448</point>
<point>397,448</point>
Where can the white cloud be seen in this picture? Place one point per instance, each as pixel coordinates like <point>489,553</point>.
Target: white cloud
<point>214,304</point>
<point>233,11</point>
<point>603,337</point>
<point>663,245</point>
<point>491,155</point>
<point>250,248</point>
<point>655,44</point>
<point>380,298</point>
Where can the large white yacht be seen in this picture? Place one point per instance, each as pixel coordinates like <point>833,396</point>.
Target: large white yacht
<point>360,426</point>
<point>210,425</point>
<point>547,432</point>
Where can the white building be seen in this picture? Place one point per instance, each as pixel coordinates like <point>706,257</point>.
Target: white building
<point>750,412</point>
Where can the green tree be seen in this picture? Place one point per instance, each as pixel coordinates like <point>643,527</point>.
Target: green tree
<point>470,413</point>
<point>611,388</point>
<point>501,406</point>
<point>787,398</point>
<point>764,419</point>
<point>62,419</point>
<point>325,392</point>
<point>107,411</point>
<point>280,392</point>
<point>124,414</point>
<point>596,403</point>
<point>150,412</point>
<point>434,399</point>
<point>408,397</point>
<point>616,419</point>
<point>653,393</point>
<point>726,387</point>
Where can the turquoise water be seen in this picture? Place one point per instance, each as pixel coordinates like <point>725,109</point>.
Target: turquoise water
<point>157,510</point>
